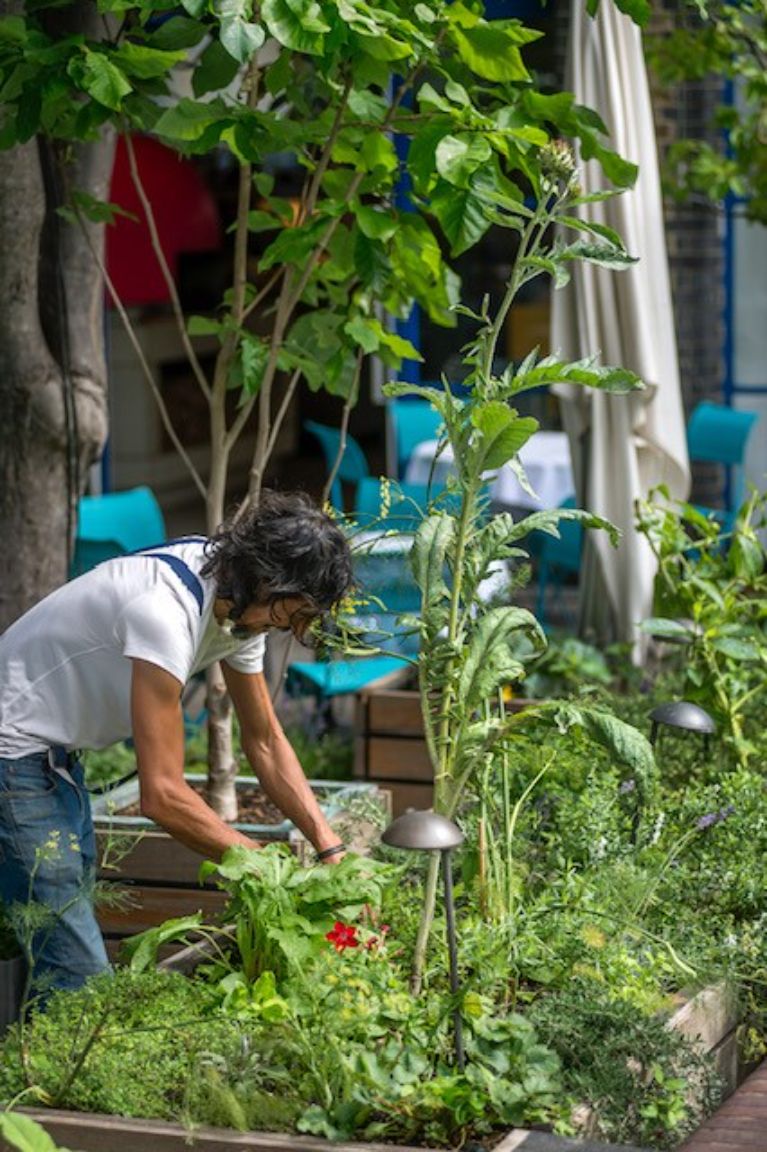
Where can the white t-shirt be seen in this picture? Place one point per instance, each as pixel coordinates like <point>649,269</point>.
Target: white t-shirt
<point>65,666</point>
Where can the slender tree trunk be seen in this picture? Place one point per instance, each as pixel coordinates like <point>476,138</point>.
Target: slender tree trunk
<point>52,370</point>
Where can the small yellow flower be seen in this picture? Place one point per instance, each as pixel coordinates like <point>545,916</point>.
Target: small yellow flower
<point>593,936</point>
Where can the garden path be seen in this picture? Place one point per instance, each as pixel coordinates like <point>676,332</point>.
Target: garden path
<point>740,1125</point>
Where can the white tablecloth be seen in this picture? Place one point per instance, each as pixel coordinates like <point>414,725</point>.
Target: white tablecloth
<point>545,458</point>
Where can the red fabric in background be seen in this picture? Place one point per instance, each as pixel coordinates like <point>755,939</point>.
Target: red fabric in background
<point>185,212</point>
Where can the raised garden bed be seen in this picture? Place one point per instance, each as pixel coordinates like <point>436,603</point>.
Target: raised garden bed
<point>159,876</point>
<point>709,1018</point>
<point>389,745</point>
<point>91,1133</point>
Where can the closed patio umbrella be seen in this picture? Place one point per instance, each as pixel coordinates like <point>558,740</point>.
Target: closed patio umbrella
<point>622,445</point>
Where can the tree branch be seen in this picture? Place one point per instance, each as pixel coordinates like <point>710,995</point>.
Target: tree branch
<point>167,275</point>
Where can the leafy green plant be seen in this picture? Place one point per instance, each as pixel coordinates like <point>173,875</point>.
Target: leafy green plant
<point>469,651</point>
<point>711,595</point>
<point>25,1134</point>
<point>644,1083</point>
<point>722,39</point>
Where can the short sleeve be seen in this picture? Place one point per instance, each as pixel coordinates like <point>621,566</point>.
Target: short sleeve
<point>249,657</point>
<point>156,628</point>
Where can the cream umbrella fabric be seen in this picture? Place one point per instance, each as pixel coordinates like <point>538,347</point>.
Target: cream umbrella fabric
<point>622,445</point>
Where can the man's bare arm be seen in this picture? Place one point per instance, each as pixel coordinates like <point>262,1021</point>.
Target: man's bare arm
<point>273,759</point>
<point>166,798</point>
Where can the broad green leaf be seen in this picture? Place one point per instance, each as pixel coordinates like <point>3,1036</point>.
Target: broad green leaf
<point>428,557</point>
<point>195,8</point>
<point>378,151</point>
<point>502,434</point>
<point>216,69</point>
<point>142,949</point>
<point>104,81</point>
<point>293,245</point>
<point>203,326</point>
<point>146,63</point>
<point>458,157</point>
<point>491,661</point>
<point>189,119</point>
<point>490,53</point>
<point>734,649</point>
<point>367,105</point>
<point>629,746</point>
<point>241,38</point>
<point>375,223</point>
<point>178,32</point>
<point>296,25</point>
<point>25,1134</point>
<point>462,215</point>
<point>402,348</point>
<point>364,333</point>
<point>638,10</point>
<point>667,629</point>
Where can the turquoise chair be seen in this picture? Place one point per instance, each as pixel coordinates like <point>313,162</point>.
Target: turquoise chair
<point>719,435</point>
<point>114,524</point>
<point>556,557</point>
<point>353,466</point>
<point>412,422</point>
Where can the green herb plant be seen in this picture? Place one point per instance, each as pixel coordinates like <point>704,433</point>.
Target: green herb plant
<point>711,595</point>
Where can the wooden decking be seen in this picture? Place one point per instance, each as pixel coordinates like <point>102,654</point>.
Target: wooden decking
<point>740,1125</point>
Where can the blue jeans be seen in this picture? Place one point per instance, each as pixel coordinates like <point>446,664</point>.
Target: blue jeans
<point>47,857</point>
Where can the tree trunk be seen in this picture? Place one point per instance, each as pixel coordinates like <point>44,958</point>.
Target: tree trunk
<point>52,366</point>
<point>52,375</point>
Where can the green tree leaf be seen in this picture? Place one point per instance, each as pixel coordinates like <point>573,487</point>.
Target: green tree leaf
<point>297,24</point>
<point>145,63</point>
<point>104,81</point>
<point>241,38</point>
<point>458,157</point>
<point>490,53</point>
<point>216,69</point>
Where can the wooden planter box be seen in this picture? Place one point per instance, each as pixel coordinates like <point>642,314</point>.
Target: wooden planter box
<point>709,1018</point>
<point>12,976</point>
<point>389,745</point>
<point>158,876</point>
<point>89,1132</point>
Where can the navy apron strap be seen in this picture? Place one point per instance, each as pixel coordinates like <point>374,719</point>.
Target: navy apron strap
<point>184,573</point>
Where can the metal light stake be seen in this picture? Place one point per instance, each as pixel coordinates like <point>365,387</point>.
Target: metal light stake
<point>682,714</point>
<point>429,832</point>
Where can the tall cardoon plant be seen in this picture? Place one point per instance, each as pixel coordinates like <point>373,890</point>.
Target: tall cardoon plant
<point>470,650</point>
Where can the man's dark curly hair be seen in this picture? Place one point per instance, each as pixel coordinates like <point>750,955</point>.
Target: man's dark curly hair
<point>284,546</point>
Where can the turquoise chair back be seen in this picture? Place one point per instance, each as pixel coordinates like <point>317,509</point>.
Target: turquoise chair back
<point>114,524</point>
<point>412,422</point>
<point>719,435</point>
<point>353,466</point>
<point>557,557</point>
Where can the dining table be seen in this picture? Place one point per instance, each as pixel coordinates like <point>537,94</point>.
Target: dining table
<point>545,459</point>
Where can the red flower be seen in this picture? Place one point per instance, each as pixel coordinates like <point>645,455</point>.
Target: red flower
<point>342,936</point>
